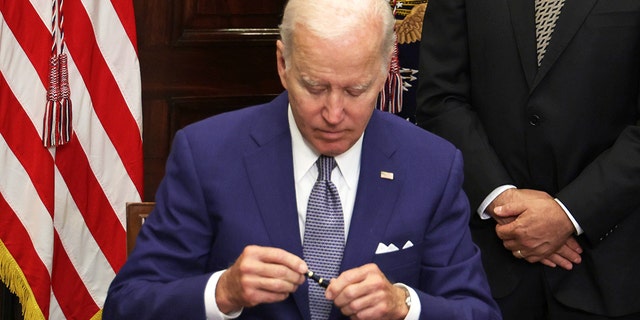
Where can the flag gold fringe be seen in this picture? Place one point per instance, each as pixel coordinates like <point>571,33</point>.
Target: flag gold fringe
<point>97,316</point>
<point>13,277</point>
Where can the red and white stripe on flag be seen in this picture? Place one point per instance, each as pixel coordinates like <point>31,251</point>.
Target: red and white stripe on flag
<point>62,209</point>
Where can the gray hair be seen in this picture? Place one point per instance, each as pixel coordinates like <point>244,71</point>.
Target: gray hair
<point>332,19</point>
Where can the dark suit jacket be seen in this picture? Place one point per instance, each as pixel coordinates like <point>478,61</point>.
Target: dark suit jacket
<point>229,183</point>
<point>569,128</point>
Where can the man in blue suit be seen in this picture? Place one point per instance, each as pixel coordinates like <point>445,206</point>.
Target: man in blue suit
<point>226,236</point>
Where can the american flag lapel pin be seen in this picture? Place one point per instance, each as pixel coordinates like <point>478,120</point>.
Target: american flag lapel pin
<point>386,175</point>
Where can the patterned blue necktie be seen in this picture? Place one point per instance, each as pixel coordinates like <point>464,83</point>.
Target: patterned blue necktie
<point>323,235</point>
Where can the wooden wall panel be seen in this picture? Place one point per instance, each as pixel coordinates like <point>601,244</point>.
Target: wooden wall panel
<point>222,14</point>
<point>199,58</point>
<point>184,111</point>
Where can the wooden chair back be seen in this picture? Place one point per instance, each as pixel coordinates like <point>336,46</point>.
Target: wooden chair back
<point>136,213</point>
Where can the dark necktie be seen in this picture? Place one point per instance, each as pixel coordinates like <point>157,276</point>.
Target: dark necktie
<point>547,13</point>
<point>323,242</point>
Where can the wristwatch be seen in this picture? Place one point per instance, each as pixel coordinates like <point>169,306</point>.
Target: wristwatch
<point>407,299</point>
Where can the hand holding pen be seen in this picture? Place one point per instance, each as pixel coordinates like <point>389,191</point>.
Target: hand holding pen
<point>259,275</point>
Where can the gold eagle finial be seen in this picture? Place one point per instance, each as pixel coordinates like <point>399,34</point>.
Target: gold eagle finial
<point>409,29</point>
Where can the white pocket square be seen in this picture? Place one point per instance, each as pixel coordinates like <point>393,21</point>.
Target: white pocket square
<point>382,248</point>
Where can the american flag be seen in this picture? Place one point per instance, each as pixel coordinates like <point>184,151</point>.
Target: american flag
<point>62,209</point>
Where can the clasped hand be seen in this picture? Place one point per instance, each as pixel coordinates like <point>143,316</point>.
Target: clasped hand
<point>268,275</point>
<point>533,226</point>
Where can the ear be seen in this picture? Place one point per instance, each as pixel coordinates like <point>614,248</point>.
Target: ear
<point>282,66</point>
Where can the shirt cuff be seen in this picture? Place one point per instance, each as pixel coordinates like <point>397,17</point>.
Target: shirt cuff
<point>210,306</point>
<point>579,230</point>
<point>415,308</point>
<point>492,196</point>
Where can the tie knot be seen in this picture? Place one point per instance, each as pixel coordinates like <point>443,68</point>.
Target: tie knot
<point>325,166</point>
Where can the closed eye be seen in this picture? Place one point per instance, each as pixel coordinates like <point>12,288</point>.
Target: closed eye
<point>355,92</point>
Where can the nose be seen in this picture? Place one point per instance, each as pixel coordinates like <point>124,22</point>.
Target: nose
<point>333,111</point>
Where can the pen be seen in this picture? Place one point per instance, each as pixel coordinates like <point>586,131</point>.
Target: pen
<point>322,282</point>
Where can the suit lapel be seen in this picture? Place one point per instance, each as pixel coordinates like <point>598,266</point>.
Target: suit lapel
<point>274,186</point>
<point>524,27</point>
<point>571,18</point>
<point>274,190</point>
<point>375,197</point>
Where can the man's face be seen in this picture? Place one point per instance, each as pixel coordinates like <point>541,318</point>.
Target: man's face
<point>333,87</point>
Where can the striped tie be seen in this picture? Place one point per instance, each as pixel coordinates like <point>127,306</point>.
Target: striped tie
<point>323,235</point>
<point>547,13</point>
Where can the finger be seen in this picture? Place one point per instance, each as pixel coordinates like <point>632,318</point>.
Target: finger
<point>548,263</point>
<point>377,299</point>
<point>272,297</point>
<point>569,254</point>
<point>254,264</point>
<point>504,221</point>
<point>530,257</point>
<point>511,245</point>
<point>513,233</point>
<point>346,278</point>
<point>281,273</point>
<point>365,308</point>
<point>511,209</point>
<point>507,232</point>
<point>560,261</point>
<point>271,285</point>
<point>351,299</point>
<point>278,256</point>
<point>256,296</point>
<point>527,249</point>
<point>574,245</point>
<point>518,254</point>
<point>235,290</point>
<point>366,297</point>
<point>531,254</point>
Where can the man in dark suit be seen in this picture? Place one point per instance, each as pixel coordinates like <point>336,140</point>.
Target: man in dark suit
<point>542,97</point>
<point>226,235</point>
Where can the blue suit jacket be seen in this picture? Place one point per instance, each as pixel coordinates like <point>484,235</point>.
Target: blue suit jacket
<point>229,183</point>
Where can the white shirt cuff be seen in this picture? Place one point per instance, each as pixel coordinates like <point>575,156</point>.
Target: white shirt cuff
<point>210,306</point>
<point>415,308</point>
<point>492,196</point>
<point>579,230</point>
